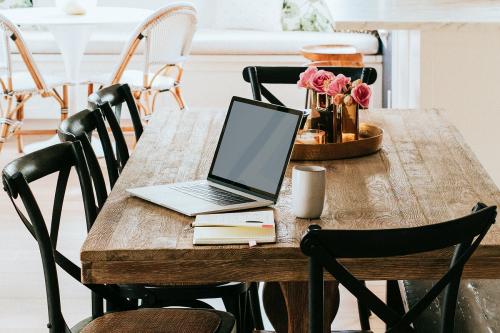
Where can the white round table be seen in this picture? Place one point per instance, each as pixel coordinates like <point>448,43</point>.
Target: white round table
<point>72,34</point>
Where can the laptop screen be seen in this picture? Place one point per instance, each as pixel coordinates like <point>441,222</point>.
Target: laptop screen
<point>255,146</point>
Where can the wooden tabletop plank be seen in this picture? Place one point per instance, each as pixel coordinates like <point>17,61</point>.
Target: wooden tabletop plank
<point>424,173</point>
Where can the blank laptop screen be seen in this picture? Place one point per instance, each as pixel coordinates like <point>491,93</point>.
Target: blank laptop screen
<point>254,147</point>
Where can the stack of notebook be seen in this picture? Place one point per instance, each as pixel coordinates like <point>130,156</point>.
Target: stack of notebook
<point>235,228</point>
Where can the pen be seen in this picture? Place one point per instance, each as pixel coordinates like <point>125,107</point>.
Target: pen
<point>249,223</point>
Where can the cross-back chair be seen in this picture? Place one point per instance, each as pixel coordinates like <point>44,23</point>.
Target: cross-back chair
<point>80,127</point>
<point>241,299</point>
<point>325,247</point>
<point>61,159</point>
<point>19,86</point>
<point>261,76</point>
<point>110,100</point>
<point>167,36</point>
<point>258,76</point>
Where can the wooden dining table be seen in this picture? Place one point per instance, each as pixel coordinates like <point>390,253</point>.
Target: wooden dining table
<point>424,173</point>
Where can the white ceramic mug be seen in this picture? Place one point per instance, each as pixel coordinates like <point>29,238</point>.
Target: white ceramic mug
<point>308,190</point>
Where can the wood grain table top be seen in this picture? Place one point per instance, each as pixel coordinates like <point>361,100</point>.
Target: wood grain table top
<point>424,173</point>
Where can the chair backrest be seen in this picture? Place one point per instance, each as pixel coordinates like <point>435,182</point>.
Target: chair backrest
<point>110,99</point>
<point>257,76</point>
<point>324,247</point>
<point>167,33</point>
<point>10,32</point>
<point>80,127</point>
<point>17,176</point>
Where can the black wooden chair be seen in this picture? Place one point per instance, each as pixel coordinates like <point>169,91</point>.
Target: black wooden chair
<point>324,247</point>
<point>61,159</point>
<point>110,100</point>
<point>241,299</point>
<point>257,76</point>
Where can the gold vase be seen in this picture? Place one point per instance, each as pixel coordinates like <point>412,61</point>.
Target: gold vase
<point>350,122</point>
<point>317,102</point>
<point>337,123</point>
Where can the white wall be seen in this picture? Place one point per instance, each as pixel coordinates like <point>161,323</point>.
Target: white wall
<point>460,73</point>
<point>455,69</point>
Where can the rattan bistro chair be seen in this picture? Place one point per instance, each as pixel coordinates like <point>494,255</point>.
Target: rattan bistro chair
<point>19,86</point>
<point>167,36</point>
<point>240,299</point>
<point>324,247</point>
<point>61,159</point>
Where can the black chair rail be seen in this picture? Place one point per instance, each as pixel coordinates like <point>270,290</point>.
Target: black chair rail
<point>257,76</point>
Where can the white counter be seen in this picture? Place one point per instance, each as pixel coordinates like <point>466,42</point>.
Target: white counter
<point>446,54</point>
<point>414,14</point>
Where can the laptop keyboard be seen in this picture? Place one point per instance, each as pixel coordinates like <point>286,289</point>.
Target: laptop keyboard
<point>212,194</point>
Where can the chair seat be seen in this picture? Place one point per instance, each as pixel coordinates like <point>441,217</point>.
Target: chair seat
<point>22,82</point>
<point>477,306</point>
<point>135,79</point>
<point>162,321</point>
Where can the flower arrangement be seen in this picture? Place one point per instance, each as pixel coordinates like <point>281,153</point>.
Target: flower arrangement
<point>338,87</point>
<point>334,102</point>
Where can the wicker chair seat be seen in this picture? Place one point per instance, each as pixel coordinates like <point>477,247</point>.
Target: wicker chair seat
<point>162,321</point>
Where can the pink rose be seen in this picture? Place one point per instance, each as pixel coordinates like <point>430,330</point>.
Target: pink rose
<point>338,99</point>
<point>321,80</point>
<point>356,82</point>
<point>361,94</point>
<point>306,76</point>
<point>338,85</point>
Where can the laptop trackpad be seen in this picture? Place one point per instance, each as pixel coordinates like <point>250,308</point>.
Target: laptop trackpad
<point>165,196</point>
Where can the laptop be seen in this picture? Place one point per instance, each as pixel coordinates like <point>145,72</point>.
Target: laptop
<point>248,167</point>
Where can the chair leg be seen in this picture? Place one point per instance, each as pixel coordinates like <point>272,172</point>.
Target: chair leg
<point>255,306</point>
<point>233,306</point>
<point>393,298</point>
<point>90,89</point>
<point>176,92</point>
<point>146,105</point>
<point>247,322</point>
<point>20,119</point>
<point>140,106</point>
<point>64,103</point>
<point>4,133</point>
<point>364,315</point>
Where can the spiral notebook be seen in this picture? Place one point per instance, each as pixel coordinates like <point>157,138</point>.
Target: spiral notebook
<point>235,228</point>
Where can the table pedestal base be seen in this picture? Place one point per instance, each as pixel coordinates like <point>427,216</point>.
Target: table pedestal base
<point>286,305</point>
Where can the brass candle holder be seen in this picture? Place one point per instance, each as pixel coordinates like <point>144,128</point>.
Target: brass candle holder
<point>342,134</point>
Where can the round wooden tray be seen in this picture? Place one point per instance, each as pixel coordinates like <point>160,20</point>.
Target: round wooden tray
<point>370,142</point>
